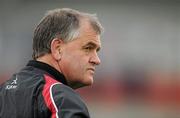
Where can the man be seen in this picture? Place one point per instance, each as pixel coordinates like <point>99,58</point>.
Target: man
<point>65,46</point>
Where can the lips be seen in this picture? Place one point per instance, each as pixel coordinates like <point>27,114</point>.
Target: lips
<point>92,69</point>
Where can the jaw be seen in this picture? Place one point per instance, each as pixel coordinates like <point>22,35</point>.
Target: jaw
<point>79,84</point>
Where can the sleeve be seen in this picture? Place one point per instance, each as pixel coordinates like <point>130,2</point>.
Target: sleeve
<point>67,103</point>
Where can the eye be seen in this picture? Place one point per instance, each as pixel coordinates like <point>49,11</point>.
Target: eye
<point>88,48</point>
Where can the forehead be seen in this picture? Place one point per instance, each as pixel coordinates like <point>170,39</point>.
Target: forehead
<point>87,34</point>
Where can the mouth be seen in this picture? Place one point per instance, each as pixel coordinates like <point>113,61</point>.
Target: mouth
<point>92,69</point>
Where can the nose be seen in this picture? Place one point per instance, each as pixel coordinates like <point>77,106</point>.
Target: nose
<point>95,60</point>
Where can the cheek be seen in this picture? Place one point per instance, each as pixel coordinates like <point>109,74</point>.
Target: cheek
<point>76,63</point>
<point>79,63</point>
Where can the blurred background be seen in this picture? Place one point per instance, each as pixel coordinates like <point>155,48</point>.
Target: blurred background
<point>139,76</point>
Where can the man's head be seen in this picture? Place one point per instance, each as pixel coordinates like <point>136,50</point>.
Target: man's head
<point>69,40</point>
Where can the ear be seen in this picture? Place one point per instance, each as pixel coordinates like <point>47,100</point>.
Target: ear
<point>56,45</point>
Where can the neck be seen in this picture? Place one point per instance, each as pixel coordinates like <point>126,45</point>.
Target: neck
<point>48,59</point>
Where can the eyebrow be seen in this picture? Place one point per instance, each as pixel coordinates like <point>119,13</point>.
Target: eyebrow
<point>94,45</point>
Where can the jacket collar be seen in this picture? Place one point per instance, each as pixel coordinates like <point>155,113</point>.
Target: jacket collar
<point>49,69</point>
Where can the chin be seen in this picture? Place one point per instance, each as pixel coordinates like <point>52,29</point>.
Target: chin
<point>89,81</point>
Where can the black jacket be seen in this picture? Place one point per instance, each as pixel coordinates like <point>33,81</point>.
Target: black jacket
<point>40,91</point>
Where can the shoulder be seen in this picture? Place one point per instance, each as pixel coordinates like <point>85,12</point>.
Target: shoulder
<point>66,94</point>
<point>68,101</point>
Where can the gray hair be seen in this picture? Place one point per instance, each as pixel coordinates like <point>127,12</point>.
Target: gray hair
<point>63,24</point>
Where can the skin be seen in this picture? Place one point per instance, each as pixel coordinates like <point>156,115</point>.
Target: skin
<point>76,59</point>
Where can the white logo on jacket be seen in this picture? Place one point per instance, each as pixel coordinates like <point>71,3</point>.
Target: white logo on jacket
<point>13,84</point>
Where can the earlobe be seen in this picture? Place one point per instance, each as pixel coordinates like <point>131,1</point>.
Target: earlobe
<point>56,48</point>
